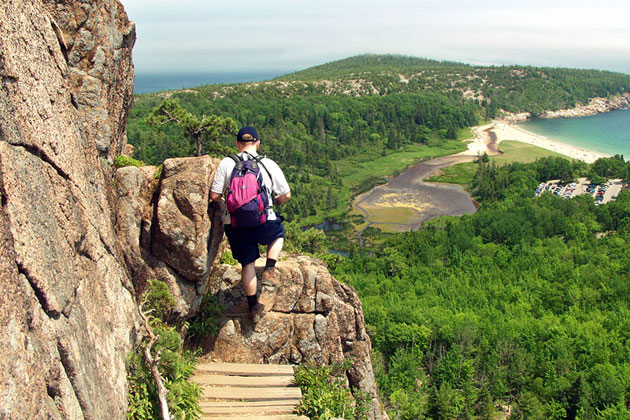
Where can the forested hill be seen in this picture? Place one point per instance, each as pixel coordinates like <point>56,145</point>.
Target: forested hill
<point>325,123</point>
<point>509,88</point>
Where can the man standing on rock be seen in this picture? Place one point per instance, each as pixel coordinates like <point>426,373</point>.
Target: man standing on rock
<point>269,231</point>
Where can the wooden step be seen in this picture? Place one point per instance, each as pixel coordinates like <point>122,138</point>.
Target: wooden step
<point>233,391</point>
<point>261,404</point>
<point>247,381</point>
<point>247,407</point>
<point>244,369</point>
<point>249,393</point>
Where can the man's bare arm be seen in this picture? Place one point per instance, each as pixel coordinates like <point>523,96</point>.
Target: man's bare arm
<point>281,199</point>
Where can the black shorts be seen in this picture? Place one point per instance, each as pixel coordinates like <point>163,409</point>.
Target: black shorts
<point>244,242</point>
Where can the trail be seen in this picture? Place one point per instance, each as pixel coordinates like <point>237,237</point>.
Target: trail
<point>233,391</point>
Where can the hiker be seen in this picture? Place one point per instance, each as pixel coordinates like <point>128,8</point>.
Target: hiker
<point>250,219</point>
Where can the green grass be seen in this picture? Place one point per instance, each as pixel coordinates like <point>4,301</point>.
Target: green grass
<point>465,134</point>
<point>462,173</point>
<point>355,172</point>
<point>390,214</point>
<point>513,151</point>
<point>361,173</point>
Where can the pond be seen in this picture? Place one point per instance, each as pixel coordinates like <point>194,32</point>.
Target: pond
<point>406,201</point>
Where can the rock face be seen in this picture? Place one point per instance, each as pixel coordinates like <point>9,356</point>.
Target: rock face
<point>67,311</point>
<point>311,317</point>
<point>595,106</point>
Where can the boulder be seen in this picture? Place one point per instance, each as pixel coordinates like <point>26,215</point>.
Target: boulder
<point>135,194</point>
<point>183,225</point>
<point>168,228</point>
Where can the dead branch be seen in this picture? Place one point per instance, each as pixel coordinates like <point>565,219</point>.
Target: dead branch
<point>153,364</point>
<point>170,117</point>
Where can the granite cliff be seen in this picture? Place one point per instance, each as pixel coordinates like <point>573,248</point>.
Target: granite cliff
<point>79,239</point>
<point>67,307</point>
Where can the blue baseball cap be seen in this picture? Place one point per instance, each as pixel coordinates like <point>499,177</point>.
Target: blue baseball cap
<point>247,134</point>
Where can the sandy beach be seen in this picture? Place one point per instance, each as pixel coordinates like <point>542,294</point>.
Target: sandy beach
<point>487,137</point>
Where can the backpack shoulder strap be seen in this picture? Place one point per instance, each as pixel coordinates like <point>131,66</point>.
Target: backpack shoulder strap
<point>259,160</point>
<point>236,158</point>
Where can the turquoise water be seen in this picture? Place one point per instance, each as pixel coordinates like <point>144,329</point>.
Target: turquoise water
<point>607,133</point>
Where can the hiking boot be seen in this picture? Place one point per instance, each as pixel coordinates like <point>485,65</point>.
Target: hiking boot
<point>269,285</point>
<point>268,278</point>
<point>257,311</point>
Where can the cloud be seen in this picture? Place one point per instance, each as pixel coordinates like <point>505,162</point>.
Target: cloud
<point>279,34</point>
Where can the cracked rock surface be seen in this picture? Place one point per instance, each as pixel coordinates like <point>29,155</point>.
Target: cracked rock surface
<point>67,312</point>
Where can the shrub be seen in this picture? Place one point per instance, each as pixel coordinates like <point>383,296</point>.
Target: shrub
<point>206,322</point>
<point>159,299</point>
<point>122,161</point>
<point>228,258</point>
<point>175,365</point>
<point>324,394</point>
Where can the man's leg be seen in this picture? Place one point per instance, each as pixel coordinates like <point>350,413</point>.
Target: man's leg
<point>250,283</point>
<point>274,248</point>
<point>273,252</point>
<point>248,277</point>
<point>246,251</point>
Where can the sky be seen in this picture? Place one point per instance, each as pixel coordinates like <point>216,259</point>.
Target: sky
<point>281,36</point>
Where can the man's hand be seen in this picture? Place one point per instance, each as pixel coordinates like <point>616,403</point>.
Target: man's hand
<point>215,197</point>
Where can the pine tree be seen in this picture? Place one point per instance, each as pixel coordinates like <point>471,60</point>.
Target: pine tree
<point>204,130</point>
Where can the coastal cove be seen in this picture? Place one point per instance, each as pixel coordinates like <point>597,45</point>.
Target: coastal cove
<point>406,201</point>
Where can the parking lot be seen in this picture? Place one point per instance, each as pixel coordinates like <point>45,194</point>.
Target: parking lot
<point>601,193</point>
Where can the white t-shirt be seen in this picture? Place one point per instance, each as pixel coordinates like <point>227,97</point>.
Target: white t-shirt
<point>279,186</point>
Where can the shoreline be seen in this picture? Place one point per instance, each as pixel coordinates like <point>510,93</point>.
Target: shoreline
<point>487,137</point>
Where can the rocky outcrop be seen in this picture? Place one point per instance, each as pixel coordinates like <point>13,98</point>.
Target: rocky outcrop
<point>595,106</point>
<point>170,231</point>
<point>311,317</point>
<point>168,228</point>
<point>66,307</point>
<point>95,38</point>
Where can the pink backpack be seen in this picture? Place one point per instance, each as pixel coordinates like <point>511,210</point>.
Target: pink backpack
<point>247,199</point>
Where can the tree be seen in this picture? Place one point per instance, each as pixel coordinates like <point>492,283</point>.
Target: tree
<point>206,129</point>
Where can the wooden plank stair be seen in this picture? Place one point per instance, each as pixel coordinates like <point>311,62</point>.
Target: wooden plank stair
<point>247,391</point>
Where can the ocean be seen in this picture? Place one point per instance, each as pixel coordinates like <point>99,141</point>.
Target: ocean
<point>158,82</point>
<point>607,133</point>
